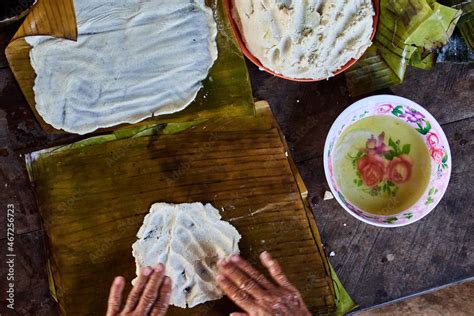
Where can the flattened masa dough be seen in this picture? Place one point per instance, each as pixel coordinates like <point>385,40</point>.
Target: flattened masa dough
<point>188,239</point>
<point>133,59</point>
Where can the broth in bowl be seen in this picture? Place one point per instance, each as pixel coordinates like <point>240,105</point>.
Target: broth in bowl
<point>387,161</point>
<point>381,165</point>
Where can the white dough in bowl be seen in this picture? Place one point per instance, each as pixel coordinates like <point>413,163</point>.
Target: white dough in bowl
<point>133,59</point>
<point>305,39</point>
<point>188,239</point>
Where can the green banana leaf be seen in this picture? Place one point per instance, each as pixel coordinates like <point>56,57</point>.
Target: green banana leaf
<point>370,73</point>
<point>344,303</point>
<point>407,29</point>
<point>423,58</point>
<point>466,21</point>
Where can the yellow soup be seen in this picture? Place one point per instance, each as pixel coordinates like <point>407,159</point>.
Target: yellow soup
<point>381,165</point>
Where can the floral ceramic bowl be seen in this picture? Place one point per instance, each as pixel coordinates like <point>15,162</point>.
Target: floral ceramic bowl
<point>434,138</point>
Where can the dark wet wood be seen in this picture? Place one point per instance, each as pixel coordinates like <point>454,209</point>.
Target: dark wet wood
<point>433,252</point>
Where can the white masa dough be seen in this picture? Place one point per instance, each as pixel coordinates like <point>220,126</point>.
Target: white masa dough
<point>305,39</point>
<point>188,239</point>
<point>133,59</point>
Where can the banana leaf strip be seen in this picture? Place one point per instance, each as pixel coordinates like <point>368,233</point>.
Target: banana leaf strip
<point>370,73</point>
<point>407,29</point>
<point>423,59</point>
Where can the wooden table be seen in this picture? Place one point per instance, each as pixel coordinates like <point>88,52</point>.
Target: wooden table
<point>376,265</point>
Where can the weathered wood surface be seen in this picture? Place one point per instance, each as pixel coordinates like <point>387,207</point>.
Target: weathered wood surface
<point>433,252</point>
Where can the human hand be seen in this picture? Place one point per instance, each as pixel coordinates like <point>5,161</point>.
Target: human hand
<point>149,296</point>
<point>252,292</point>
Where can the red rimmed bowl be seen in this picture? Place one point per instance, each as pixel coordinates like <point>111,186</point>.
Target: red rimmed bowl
<point>228,8</point>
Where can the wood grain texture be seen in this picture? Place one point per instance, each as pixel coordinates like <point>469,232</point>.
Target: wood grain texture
<point>93,200</point>
<point>226,91</point>
<point>20,133</point>
<point>47,17</point>
<point>50,17</point>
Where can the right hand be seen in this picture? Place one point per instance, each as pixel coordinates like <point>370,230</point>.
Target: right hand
<point>252,292</point>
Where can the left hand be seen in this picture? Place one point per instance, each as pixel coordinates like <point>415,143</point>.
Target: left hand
<point>149,296</point>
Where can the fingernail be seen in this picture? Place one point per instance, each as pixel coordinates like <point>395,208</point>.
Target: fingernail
<point>220,278</point>
<point>118,280</point>
<point>235,258</point>
<point>146,271</point>
<point>265,255</point>
<point>167,281</point>
<point>159,268</point>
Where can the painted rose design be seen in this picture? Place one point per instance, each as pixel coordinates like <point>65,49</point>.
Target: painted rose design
<point>399,169</point>
<point>372,169</point>
<point>384,108</point>
<point>437,154</point>
<point>381,168</point>
<point>432,139</point>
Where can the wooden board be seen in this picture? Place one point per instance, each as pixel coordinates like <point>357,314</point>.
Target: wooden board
<point>225,92</point>
<point>93,196</point>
